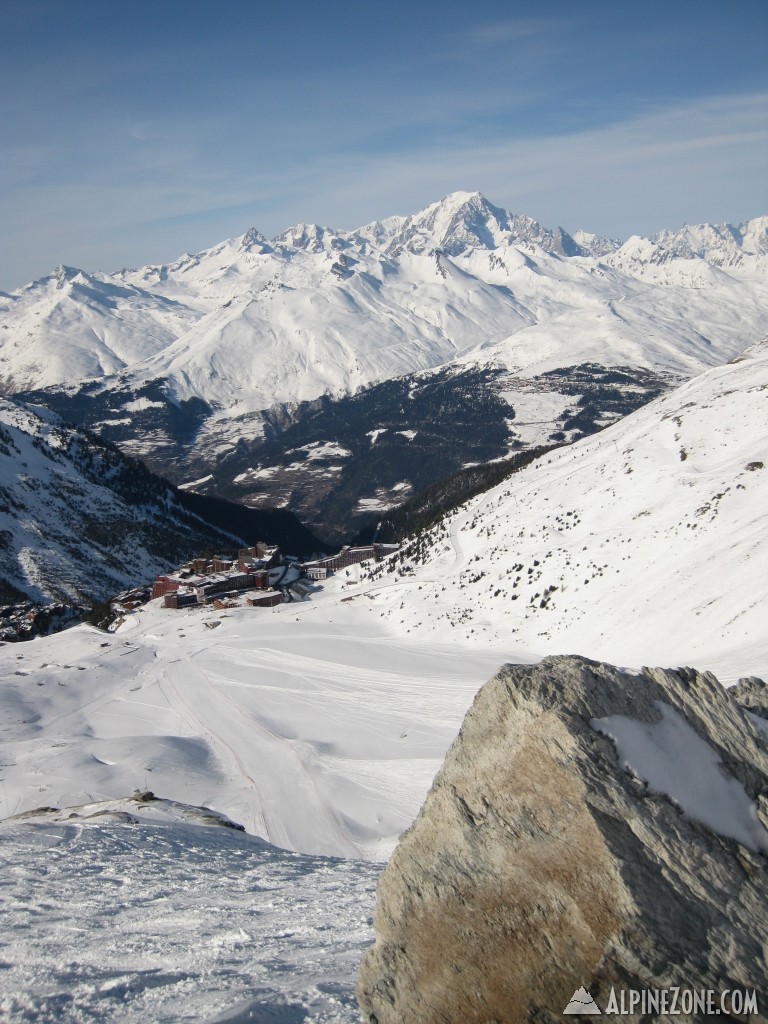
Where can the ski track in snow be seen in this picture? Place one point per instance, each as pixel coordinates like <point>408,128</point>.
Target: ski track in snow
<point>299,727</point>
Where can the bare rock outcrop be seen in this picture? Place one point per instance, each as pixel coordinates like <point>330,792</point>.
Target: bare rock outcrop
<point>589,827</point>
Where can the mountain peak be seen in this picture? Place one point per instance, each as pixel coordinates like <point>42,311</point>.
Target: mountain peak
<point>59,278</point>
<point>459,199</point>
<point>459,221</point>
<point>310,237</point>
<point>63,274</point>
<point>467,220</point>
<point>254,241</point>
<point>595,245</point>
<point>721,245</point>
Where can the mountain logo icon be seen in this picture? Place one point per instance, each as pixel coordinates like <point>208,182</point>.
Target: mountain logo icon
<point>582,1002</point>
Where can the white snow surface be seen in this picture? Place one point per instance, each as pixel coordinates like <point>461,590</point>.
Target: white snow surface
<point>673,759</point>
<point>312,725</point>
<point>137,923</point>
<point>251,323</point>
<point>72,326</point>
<point>320,725</point>
<point>644,544</point>
<point>323,450</point>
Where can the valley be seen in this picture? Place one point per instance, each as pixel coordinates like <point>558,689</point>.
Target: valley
<point>319,723</point>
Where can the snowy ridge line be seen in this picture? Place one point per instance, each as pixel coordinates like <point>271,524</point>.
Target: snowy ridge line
<point>324,312</point>
<point>287,343</point>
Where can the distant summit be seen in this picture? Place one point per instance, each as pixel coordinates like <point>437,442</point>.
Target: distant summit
<point>722,245</point>
<point>467,220</point>
<point>201,366</point>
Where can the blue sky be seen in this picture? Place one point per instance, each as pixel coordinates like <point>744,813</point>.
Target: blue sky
<point>132,132</point>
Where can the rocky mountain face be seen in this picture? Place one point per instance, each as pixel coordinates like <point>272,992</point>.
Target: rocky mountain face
<point>462,221</point>
<point>199,367</point>
<point>590,831</point>
<point>721,245</point>
<point>80,521</point>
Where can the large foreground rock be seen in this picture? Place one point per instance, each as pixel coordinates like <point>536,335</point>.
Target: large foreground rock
<point>556,851</point>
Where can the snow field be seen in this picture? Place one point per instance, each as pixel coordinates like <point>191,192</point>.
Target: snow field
<point>175,922</point>
<point>312,726</point>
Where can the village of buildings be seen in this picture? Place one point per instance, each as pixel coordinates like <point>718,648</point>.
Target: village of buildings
<point>258,577</point>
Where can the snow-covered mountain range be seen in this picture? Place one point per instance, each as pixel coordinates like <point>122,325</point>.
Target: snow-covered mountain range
<point>251,323</point>
<point>254,322</point>
<point>207,359</point>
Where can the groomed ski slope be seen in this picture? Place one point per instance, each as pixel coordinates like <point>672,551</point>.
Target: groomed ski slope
<point>313,726</point>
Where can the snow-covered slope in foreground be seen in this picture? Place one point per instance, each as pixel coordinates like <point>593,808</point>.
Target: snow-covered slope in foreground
<point>158,923</point>
<point>647,543</point>
<point>312,725</point>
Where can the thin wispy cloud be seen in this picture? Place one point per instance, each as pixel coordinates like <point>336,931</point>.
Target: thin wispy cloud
<point>130,139</point>
<point>498,33</point>
<point>657,169</point>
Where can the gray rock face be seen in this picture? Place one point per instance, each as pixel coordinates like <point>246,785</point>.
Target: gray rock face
<point>752,693</point>
<point>541,862</point>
